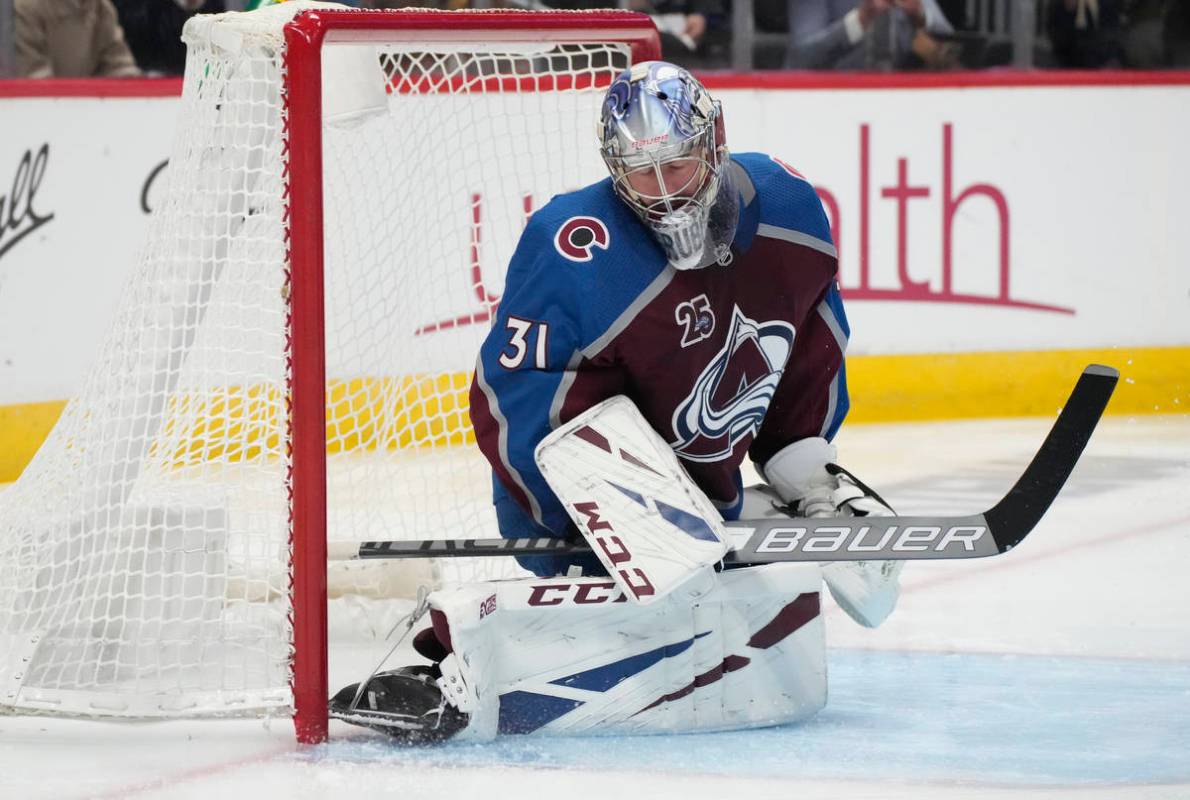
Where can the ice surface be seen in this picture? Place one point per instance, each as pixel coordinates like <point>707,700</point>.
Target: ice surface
<point>1060,670</point>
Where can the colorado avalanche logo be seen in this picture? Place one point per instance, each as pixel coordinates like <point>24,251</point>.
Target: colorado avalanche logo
<point>731,396</point>
<point>578,235</point>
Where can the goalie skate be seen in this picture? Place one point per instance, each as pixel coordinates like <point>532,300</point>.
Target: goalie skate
<point>406,704</point>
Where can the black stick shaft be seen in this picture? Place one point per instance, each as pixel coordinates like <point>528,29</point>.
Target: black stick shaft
<point>853,539</point>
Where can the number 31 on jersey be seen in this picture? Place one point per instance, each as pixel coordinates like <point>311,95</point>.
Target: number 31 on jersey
<point>520,331</point>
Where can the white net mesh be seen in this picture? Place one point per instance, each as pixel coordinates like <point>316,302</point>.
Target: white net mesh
<point>144,553</point>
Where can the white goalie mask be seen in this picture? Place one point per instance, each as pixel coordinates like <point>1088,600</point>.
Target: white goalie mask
<point>660,136</point>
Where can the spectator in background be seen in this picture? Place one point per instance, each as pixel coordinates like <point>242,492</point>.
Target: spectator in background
<point>1085,34</point>
<point>684,25</point>
<point>153,30</point>
<point>687,27</point>
<point>252,5</point>
<point>70,39</point>
<point>868,34</point>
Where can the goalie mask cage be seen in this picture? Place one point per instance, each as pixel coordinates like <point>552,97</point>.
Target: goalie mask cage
<point>292,356</point>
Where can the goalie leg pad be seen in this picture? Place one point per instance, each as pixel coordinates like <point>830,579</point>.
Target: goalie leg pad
<point>570,656</point>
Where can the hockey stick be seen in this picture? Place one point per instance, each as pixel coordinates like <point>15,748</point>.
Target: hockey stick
<point>995,531</point>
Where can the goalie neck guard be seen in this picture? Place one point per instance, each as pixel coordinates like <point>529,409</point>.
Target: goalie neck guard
<point>661,136</point>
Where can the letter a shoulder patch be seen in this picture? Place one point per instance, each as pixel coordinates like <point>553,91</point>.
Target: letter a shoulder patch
<point>577,237</point>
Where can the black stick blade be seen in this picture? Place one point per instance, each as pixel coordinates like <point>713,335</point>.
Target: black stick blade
<point>1019,511</point>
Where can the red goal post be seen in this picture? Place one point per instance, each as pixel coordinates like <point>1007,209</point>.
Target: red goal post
<point>305,37</point>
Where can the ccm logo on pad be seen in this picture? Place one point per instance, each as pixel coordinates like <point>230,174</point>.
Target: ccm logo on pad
<point>618,557</point>
<point>583,594</point>
<point>855,539</point>
<point>487,607</point>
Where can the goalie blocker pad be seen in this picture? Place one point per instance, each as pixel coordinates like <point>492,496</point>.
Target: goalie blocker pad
<point>569,656</point>
<point>649,525</point>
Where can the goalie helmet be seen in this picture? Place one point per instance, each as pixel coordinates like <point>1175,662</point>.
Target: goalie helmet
<point>660,135</point>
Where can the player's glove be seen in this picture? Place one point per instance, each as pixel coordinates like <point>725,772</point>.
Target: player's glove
<point>804,476</point>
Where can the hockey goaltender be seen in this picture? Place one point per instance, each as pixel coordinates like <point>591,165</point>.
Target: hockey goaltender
<point>656,328</point>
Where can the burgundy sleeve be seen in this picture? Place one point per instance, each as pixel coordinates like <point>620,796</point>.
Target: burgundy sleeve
<point>811,399</point>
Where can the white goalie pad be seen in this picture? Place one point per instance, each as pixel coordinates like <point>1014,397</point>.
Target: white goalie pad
<point>650,526</point>
<point>569,656</point>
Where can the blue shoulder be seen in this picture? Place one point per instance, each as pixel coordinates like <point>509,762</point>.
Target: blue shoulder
<point>787,199</point>
<point>585,255</point>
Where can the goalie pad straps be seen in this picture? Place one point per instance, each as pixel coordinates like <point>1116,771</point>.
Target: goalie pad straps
<point>569,656</point>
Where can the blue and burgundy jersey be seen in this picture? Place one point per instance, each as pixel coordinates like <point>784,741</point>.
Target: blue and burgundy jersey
<point>723,362</point>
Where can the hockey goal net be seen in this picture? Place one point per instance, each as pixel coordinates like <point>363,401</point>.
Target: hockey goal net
<point>291,360</point>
